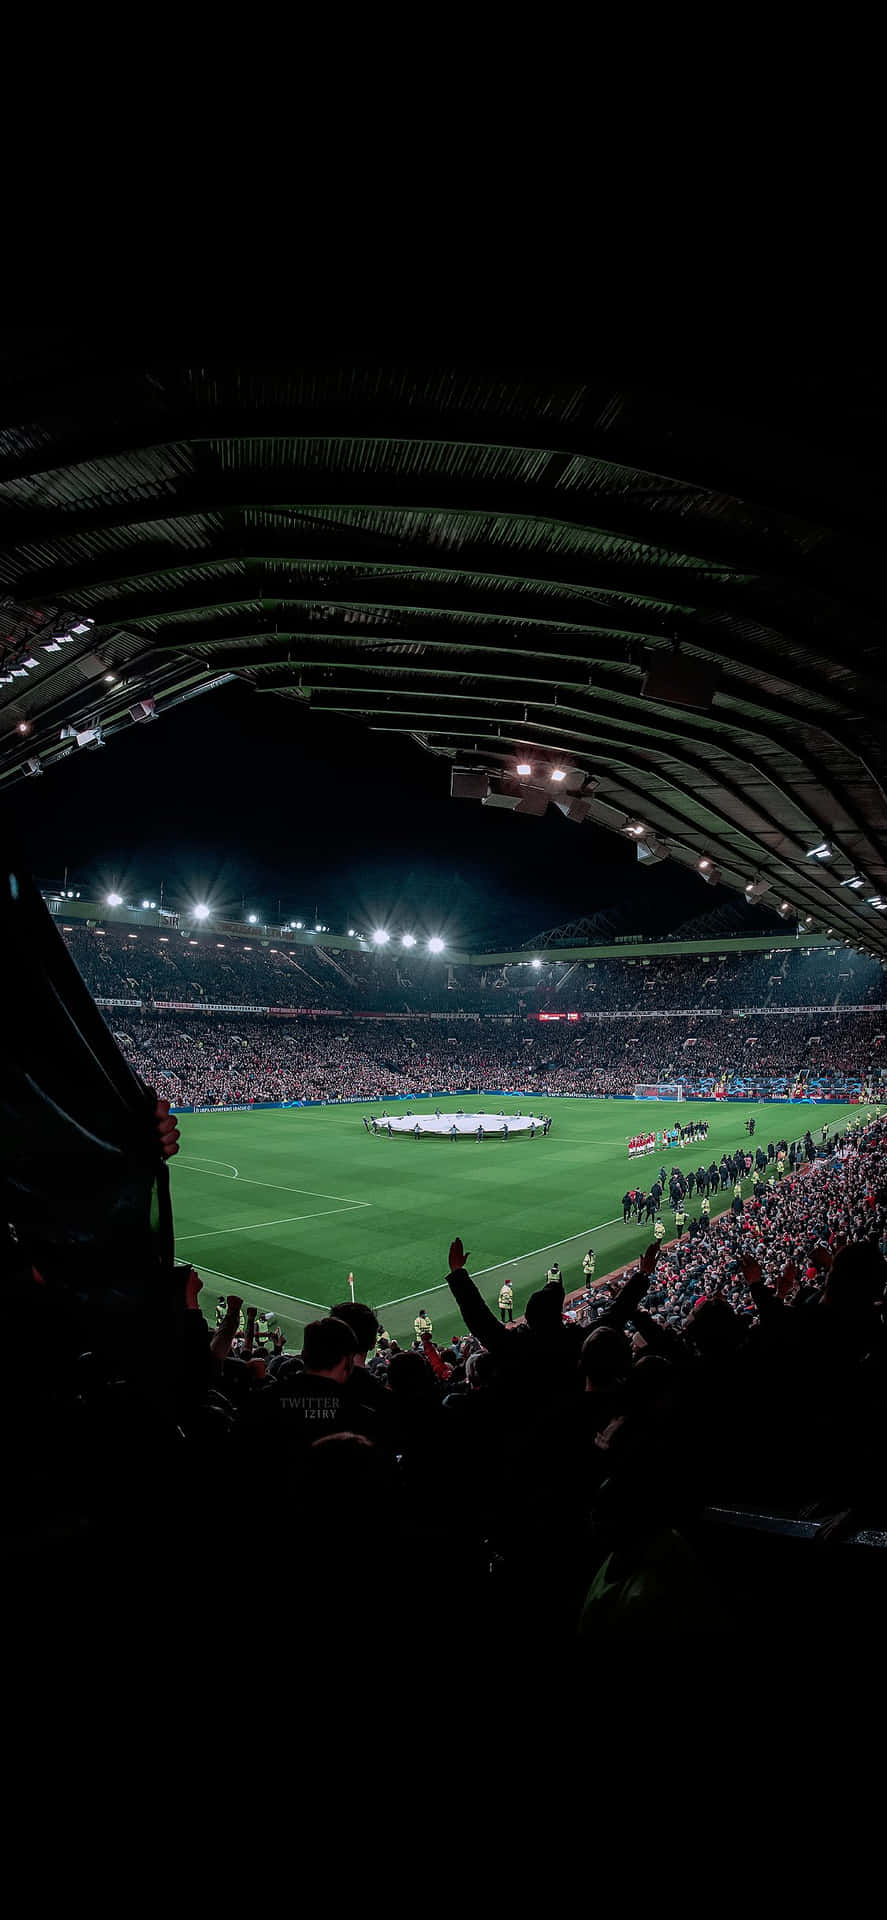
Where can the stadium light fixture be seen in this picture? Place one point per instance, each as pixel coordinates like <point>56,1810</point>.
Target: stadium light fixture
<point>115,900</point>
<point>824,851</point>
<point>636,828</point>
<point>408,940</point>
<point>380,936</point>
<point>855,881</point>
<point>298,925</point>
<point>252,918</point>
<point>704,863</point>
<point>83,626</point>
<point>318,928</point>
<point>201,912</point>
<point>557,773</point>
<point>435,944</point>
<point>24,726</point>
<point>524,768</point>
<point>351,933</point>
<point>535,963</point>
<point>146,903</point>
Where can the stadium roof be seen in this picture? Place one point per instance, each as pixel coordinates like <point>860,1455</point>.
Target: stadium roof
<point>675,598</point>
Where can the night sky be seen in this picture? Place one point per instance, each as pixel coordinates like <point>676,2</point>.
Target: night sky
<point>238,796</point>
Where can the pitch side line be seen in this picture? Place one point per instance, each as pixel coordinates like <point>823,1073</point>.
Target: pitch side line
<point>504,1263</point>
<point>309,1192</point>
<point>249,1286</point>
<point>213,1233</point>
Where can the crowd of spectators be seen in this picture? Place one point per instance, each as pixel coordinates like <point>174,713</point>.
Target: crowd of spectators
<point>209,1060</point>
<point>150,964</point>
<point>549,1474</point>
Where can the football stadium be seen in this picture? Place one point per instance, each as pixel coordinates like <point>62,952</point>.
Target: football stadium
<point>515,1213</point>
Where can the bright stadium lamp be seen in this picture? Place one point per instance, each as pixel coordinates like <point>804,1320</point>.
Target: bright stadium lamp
<point>524,769</point>
<point>557,773</point>
<point>298,925</point>
<point>318,928</point>
<point>115,900</point>
<point>380,936</point>
<point>351,933</point>
<point>408,940</point>
<point>535,963</point>
<point>201,912</point>
<point>252,918</point>
<point>146,903</point>
<point>435,944</point>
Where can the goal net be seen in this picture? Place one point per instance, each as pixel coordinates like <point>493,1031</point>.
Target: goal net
<point>660,1090</point>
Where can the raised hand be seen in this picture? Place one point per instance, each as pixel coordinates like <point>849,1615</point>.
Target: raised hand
<point>650,1257</point>
<point>167,1129</point>
<point>193,1286</point>
<point>751,1271</point>
<point>458,1256</point>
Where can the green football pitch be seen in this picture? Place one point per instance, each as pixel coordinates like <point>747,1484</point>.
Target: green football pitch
<point>280,1206</point>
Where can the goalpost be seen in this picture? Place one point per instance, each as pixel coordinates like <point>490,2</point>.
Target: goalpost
<point>659,1090</point>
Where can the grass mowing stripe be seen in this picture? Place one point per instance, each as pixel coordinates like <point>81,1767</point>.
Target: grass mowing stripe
<point>251,1286</point>
<point>506,1263</point>
<point>309,1192</point>
<point>320,1213</point>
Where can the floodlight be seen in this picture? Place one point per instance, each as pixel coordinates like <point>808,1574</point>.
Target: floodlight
<point>704,863</point>
<point>535,963</point>
<point>147,903</point>
<point>784,910</point>
<point>318,928</point>
<point>83,626</point>
<point>30,662</point>
<point>524,769</point>
<point>435,944</point>
<point>408,940</point>
<point>351,933</point>
<point>557,773</point>
<point>755,890</point>
<point>23,726</point>
<point>824,851</point>
<point>153,903</point>
<point>636,828</point>
<point>380,936</point>
<point>856,881</point>
<point>298,925</point>
<point>252,918</point>
<point>201,913</point>
<point>115,900</point>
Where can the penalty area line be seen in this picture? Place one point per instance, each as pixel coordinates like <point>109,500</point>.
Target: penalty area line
<point>286,1219</point>
<point>478,1271</point>
<point>310,1193</point>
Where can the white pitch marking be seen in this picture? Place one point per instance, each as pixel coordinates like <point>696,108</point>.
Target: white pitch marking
<point>214,1233</point>
<point>250,1286</point>
<point>309,1192</point>
<point>504,1263</point>
<point>234,1171</point>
